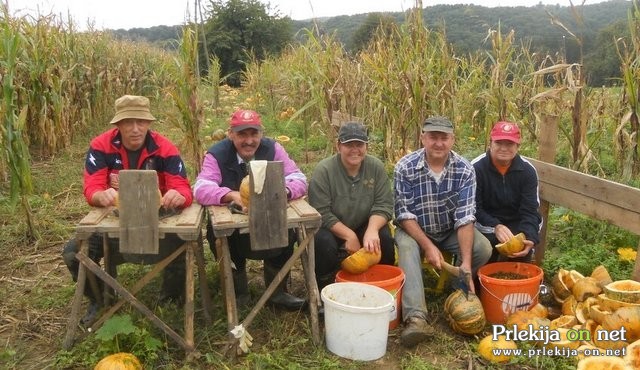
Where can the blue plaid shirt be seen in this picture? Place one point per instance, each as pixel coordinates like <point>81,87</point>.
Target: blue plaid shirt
<point>439,207</point>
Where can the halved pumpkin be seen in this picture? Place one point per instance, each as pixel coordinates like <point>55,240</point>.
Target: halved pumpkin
<point>585,288</point>
<point>602,363</point>
<point>627,318</point>
<point>601,274</point>
<point>511,246</point>
<point>623,291</point>
<point>632,357</point>
<point>609,304</point>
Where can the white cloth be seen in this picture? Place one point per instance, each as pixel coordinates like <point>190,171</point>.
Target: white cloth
<point>259,171</point>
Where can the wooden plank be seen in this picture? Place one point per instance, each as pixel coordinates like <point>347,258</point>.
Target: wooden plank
<point>220,215</point>
<point>189,216</point>
<point>95,216</point>
<point>138,211</point>
<point>268,210</point>
<point>303,208</point>
<point>589,186</point>
<point>547,153</point>
<point>600,210</point>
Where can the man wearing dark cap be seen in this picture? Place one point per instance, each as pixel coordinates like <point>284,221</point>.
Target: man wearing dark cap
<point>352,192</point>
<point>435,211</point>
<point>223,168</point>
<point>130,144</point>
<point>507,198</point>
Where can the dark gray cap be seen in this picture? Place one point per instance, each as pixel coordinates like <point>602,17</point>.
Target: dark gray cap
<point>353,131</point>
<point>438,123</point>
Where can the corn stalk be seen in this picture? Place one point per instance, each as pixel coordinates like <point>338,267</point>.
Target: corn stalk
<point>16,153</point>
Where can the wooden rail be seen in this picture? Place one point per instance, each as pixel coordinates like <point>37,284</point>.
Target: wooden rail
<point>598,198</point>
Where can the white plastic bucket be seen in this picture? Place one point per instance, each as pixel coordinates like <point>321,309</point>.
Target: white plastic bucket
<point>356,320</point>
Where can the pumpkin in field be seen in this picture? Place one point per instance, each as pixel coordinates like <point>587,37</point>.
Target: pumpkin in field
<point>465,314</point>
<point>585,288</point>
<point>487,345</point>
<point>601,275</point>
<point>623,291</point>
<point>119,361</point>
<point>632,357</point>
<point>522,320</point>
<point>360,261</point>
<point>245,191</point>
<point>602,363</point>
<point>627,317</point>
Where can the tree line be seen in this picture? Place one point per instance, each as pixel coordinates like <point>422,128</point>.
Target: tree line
<point>582,34</point>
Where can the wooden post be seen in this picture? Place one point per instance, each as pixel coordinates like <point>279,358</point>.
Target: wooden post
<point>547,153</point>
<point>268,210</point>
<point>636,269</point>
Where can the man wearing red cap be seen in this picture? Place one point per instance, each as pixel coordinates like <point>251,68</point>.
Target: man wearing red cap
<point>223,168</point>
<point>507,192</point>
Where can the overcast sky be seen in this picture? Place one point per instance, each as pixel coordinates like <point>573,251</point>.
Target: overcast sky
<point>146,13</point>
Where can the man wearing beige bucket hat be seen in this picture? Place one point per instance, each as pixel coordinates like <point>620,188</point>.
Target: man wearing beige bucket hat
<point>130,144</point>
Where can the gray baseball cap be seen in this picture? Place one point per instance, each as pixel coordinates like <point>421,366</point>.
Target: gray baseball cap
<point>353,131</point>
<point>437,123</point>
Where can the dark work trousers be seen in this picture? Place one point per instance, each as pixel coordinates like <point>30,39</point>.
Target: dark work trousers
<point>240,250</point>
<point>330,251</point>
<point>173,281</point>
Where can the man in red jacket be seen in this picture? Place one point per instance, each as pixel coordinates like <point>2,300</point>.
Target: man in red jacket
<point>130,144</point>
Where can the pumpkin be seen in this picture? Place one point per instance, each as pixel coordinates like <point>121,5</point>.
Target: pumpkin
<point>602,363</point>
<point>539,310</point>
<point>564,321</point>
<point>487,345</point>
<point>585,288</point>
<point>569,306</point>
<point>600,339</point>
<point>623,291</point>
<point>609,304</point>
<point>563,343</point>
<point>627,317</point>
<point>360,261</point>
<point>597,314</point>
<point>601,275</point>
<point>522,320</point>
<point>632,357</point>
<point>511,246</point>
<point>245,191</point>
<point>583,348</point>
<point>119,361</point>
<point>465,314</point>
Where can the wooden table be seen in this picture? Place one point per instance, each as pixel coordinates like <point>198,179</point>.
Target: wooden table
<point>301,216</point>
<point>187,225</point>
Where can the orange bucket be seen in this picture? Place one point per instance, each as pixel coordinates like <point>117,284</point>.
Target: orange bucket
<point>387,277</point>
<point>502,297</point>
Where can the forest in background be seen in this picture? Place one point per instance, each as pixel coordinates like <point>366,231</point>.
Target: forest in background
<point>467,26</point>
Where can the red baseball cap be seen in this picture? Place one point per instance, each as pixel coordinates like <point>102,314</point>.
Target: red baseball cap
<point>505,131</point>
<point>243,119</point>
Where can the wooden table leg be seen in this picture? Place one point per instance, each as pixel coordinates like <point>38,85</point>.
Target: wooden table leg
<point>226,277</point>
<point>74,318</point>
<point>189,290</point>
<point>309,269</point>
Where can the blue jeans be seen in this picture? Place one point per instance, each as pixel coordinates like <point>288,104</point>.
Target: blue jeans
<point>410,260</point>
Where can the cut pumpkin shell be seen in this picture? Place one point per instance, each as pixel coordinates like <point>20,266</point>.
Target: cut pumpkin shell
<point>585,288</point>
<point>623,291</point>
<point>601,274</point>
<point>609,304</point>
<point>602,363</point>
<point>597,314</point>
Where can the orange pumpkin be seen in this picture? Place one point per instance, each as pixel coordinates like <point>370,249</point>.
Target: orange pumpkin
<point>119,361</point>
<point>360,261</point>
<point>487,346</point>
<point>465,314</point>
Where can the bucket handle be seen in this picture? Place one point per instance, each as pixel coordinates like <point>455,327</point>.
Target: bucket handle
<point>518,306</point>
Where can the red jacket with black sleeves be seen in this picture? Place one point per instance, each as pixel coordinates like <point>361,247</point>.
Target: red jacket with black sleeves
<point>107,156</point>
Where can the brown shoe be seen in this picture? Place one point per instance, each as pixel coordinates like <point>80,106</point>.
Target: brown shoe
<point>415,331</point>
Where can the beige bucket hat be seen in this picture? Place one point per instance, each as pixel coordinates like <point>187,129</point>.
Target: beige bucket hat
<point>132,106</point>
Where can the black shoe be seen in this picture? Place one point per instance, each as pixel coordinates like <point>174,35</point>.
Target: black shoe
<point>287,301</point>
<point>91,315</point>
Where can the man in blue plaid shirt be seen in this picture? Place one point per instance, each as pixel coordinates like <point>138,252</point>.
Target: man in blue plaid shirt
<point>435,190</point>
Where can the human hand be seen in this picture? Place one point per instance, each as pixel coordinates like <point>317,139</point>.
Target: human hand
<point>433,255</point>
<point>503,234</point>
<point>172,199</point>
<point>528,245</point>
<point>371,241</point>
<point>352,244</point>
<point>104,198</point>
